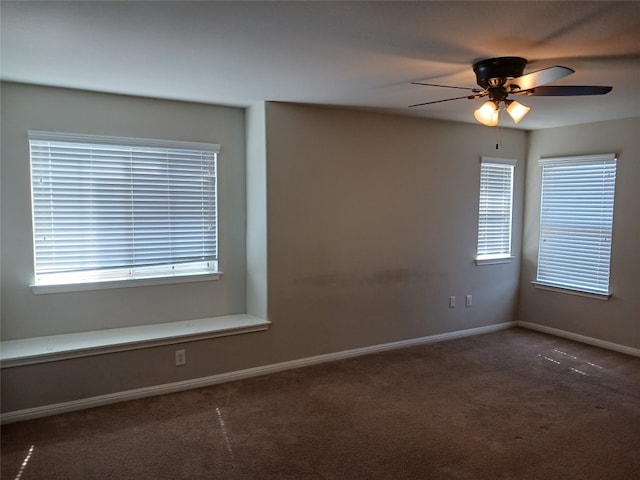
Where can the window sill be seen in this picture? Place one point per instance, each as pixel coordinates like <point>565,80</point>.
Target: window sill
<point>571,291</point>
<point>29,351</point>
<point>122,283</point>
<point>494,260</point>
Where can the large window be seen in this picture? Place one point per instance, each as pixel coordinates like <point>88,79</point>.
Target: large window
<point>495,212</point>
<point>110,208</point>
<point>576,219</point>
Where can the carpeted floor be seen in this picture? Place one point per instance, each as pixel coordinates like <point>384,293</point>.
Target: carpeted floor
<point>514,404</point>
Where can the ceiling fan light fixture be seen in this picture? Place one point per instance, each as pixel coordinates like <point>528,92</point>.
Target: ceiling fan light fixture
<point>498,77</point>
<point>516,110</point>
<point>488,114</point>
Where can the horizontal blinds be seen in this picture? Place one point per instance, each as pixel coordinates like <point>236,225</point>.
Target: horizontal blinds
<point>496,201</point>
<point>576,221</point>
<point>112,203</point>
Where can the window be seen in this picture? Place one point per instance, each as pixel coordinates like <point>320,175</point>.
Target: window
<point>495,213</point>
<point>576,219</point>
<point>110,208</point>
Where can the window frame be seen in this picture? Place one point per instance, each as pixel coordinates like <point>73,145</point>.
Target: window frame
<point>580,229</point>
<point>506,254</point>
<point>139,275</point>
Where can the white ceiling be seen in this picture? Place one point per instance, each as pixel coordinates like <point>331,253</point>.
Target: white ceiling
<point>352,54</point>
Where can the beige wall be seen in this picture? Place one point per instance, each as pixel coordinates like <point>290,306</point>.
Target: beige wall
<point>371,225</point>
<point>616,320</point>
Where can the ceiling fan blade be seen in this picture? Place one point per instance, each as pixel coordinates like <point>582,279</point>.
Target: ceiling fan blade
<point>475,90</point>
<point>565,90</point>
<point>539,77</point>
<point>469,97</point>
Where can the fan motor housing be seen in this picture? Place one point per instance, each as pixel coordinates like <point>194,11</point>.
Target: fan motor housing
<point>494,72</point>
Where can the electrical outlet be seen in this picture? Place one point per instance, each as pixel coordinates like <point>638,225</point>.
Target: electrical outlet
<point>452,302</point>
<point>181,358</point>
<point>468,301</point>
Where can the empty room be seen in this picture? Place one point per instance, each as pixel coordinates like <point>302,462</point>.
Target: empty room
<point>320,240</point>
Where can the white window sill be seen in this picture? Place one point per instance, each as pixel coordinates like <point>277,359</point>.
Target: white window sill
<point>14,353</point>
<point>39,289</point>
<point>493,260</point>
<point>571,291</point>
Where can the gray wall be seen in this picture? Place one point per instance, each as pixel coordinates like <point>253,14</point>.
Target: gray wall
<point>256,187</point>
<point>36,108</point>
<point>616,320</point>
<point>371,224</point>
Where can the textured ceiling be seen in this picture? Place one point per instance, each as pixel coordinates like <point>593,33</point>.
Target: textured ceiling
<point>350,54</point>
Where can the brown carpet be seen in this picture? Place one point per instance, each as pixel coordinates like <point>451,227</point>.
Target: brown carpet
<point>514,404</point>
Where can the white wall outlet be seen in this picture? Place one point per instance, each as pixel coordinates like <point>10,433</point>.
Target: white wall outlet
<point>452,302</point>
<point>468,301</point>
<point>181,358</point>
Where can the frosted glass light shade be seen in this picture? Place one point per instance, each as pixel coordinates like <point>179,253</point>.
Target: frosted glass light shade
<point>516,110</point>
<point>487,114</point>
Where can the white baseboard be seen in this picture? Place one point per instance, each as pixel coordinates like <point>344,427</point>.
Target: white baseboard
<point>580,338</point>
<point>100,400</point>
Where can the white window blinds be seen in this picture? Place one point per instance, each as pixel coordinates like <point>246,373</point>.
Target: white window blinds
<point>114,208</point>
<point>496,205</point>
<point>576,220</point>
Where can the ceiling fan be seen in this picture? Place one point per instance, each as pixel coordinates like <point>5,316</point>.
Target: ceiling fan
<point>503,76</point>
